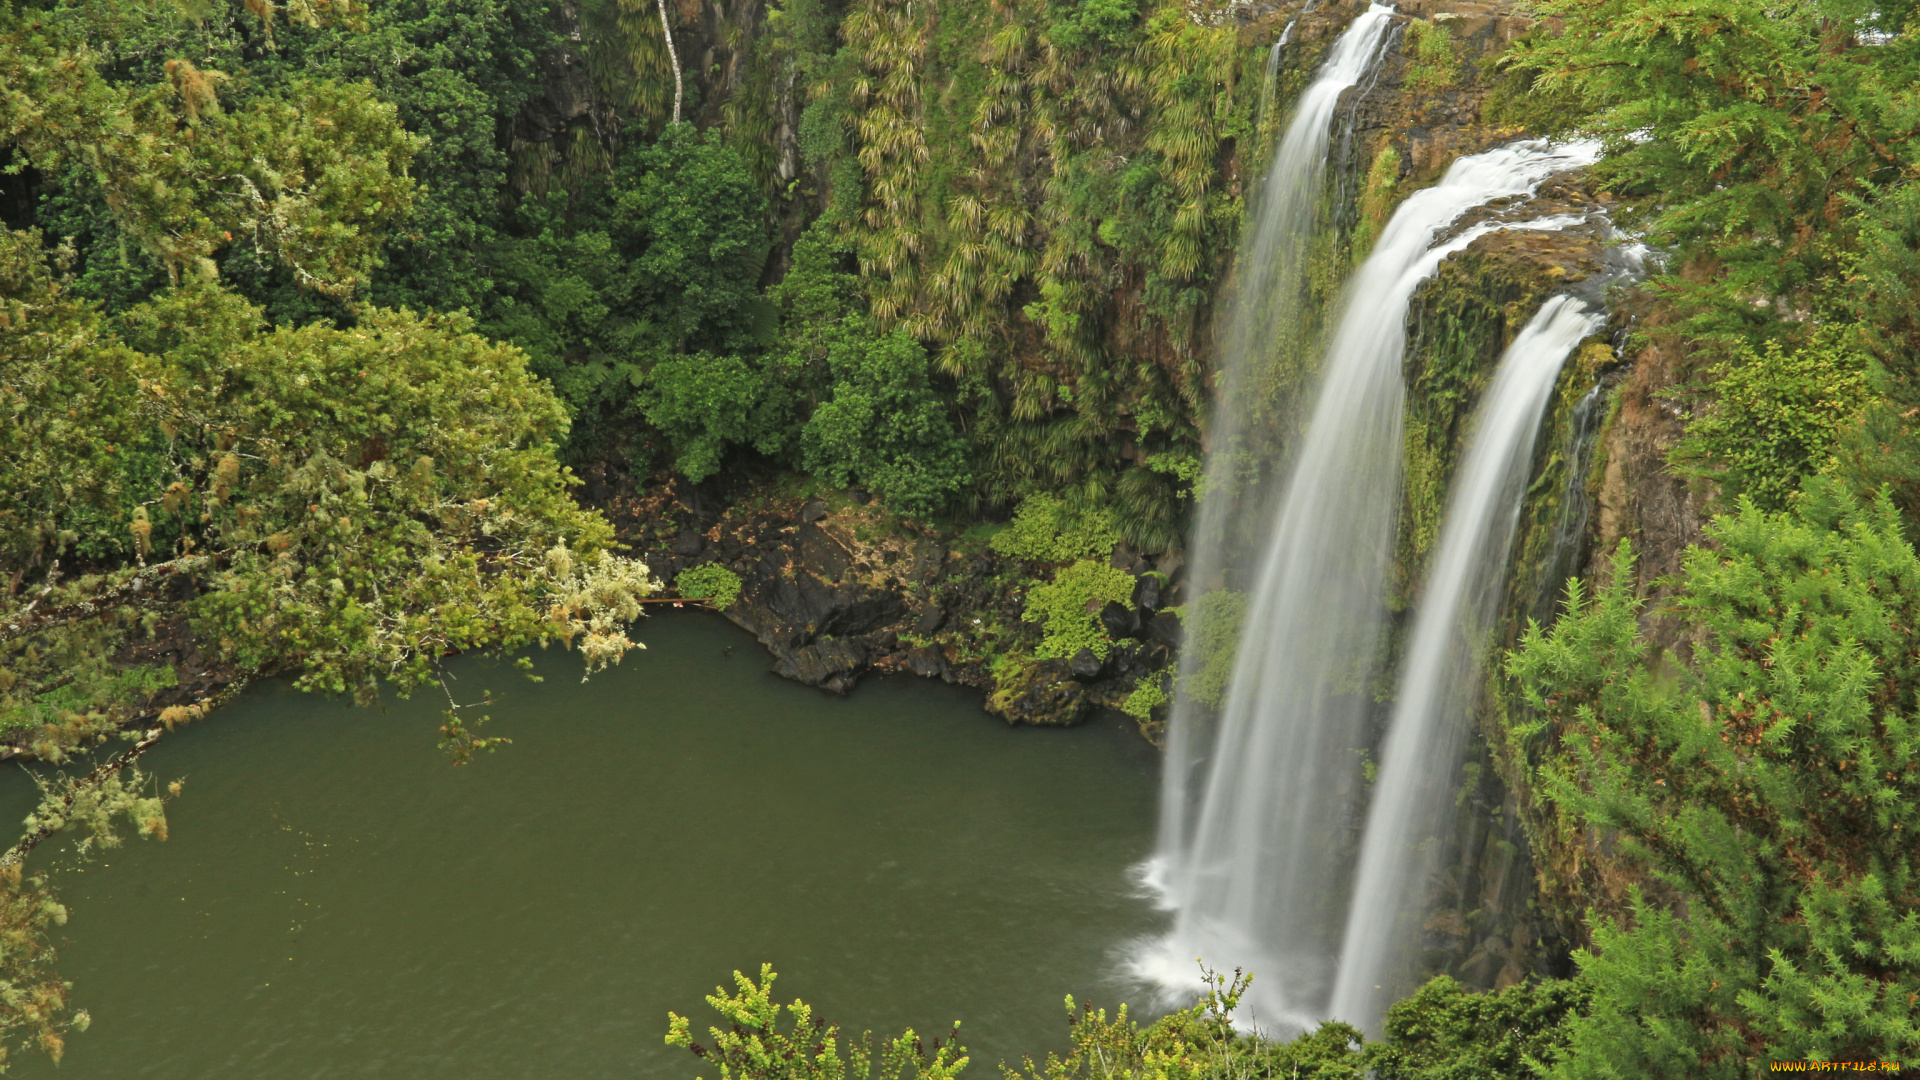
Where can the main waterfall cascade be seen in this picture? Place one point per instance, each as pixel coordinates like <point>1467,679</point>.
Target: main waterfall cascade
<point>1256,811</point>
<point>1424,739</point>
<point>1267,279</point>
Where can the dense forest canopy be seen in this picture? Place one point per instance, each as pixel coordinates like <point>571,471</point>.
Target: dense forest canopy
<point>312,313</point>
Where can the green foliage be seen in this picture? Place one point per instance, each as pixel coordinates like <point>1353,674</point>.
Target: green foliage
<point>686,212</point>
<point>711,582</point>
<point>1212,623</point>
<point>34,1009</point>
<point>1377,197</point>
<point>355,504</point>
<point>311,178</point>
<point>1093,22</point>
<point>1187,468</point>
<point>1434,66</point>
<point>883,427</point>
<point>1767,138</point>
<point>1776,416</point>
<point>1764,787</point>
<point>1068,608</point>
<point>1195,1043</point>
<point>1148,694</point>
<point>703,404</point>
<point>754,1046</point>
<point>1447,1032</point>
<point>1048,529</point>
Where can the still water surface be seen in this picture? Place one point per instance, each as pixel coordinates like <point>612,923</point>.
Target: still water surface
<point>337,901</point>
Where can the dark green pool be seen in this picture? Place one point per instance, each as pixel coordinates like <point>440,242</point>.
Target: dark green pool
<point>337,901</point>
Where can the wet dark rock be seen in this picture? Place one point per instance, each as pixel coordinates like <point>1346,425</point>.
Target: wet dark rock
<point>812,512</point>
<point>929,621</point>
<point>815,609</point>
<point>1044,693</point>
<point>830,664</point>
<point>1171,564</point>
<point>1086,665</point>
<point>928,557</point>
<point>182,587</point>
<point>821,553</point>
<point>1119,620</point>
<point>688,543</point>
<point>927,661</point>
<point>1127,559</point>
<point>1166,629</point>
<point>1146,594</point>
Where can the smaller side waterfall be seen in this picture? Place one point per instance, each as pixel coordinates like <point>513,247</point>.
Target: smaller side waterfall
<point>1437,683</point>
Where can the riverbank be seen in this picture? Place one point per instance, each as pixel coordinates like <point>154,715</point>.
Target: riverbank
<point>836,588</point>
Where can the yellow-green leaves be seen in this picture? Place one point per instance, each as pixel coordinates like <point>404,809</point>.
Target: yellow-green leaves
<point>755,1046</point>
<point>313,178</point>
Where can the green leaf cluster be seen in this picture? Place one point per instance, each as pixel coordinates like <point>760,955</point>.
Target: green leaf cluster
<point>1149,693</point>
<point>1048,529</point>
<point>882,426</point>
<point>1763,787</point>
<point>1068,608</point>
<point>1777,416</point>
<point>755,1046</point>
<point>711,582</point>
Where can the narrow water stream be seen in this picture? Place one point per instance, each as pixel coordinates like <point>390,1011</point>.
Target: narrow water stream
<point>337,901</point>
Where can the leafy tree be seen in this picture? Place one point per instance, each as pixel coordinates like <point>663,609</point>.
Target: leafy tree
<point>704,404</point>
<point>1764,786</point>
<point>687,212</point>
<point>883,426</point>
<point>312,179</point>
<point>454,75</point>
<point>356,503</point>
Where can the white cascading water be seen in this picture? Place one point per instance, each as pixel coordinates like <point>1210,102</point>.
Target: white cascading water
<point>1254,820</point>
<point>1267,278</point>
<point>1437,681</point>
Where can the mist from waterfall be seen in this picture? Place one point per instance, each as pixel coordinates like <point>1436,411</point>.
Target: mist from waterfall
<point>1409,814</point>
<point>1259,800</point>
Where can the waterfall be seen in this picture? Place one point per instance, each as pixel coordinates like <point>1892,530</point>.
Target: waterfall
<point>1267,282</point>
<point>1253,835</point>
<point>1409,809</point>
<point>1270,79</point>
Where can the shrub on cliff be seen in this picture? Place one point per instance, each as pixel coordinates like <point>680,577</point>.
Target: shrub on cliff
<point>1777,416</point>
<point>884,427</point>
<point>1767,786</point>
